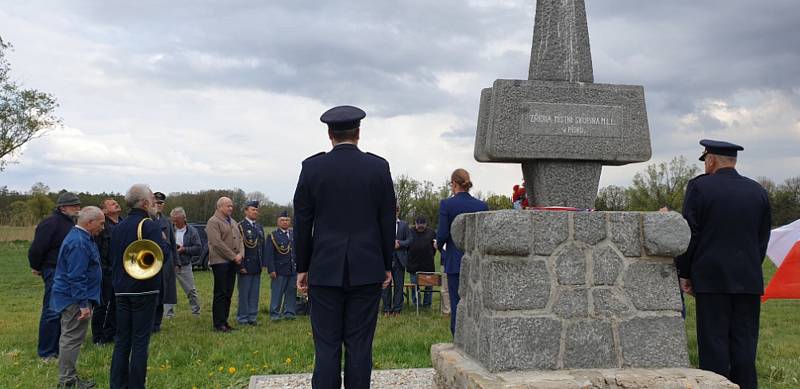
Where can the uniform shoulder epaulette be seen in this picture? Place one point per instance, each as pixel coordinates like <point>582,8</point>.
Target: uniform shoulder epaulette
<point>315,155</point>
<point>377,156</point>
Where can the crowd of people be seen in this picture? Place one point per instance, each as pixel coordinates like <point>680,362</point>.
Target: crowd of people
<point>80,255</point>
<point>348,250</point>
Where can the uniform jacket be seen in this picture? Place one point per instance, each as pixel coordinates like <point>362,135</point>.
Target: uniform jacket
<point>253,235</point>
<point>103,241</point>
<point>344,209</point>
<point>78,273</point>
<point>124,234</point>
<point>192,245</point>
<point>421,251</point>
<point>449,208</point>
<point>169,292</point>
<point>282,264</point>
<point>224,239</point>
<point>404,236</point>
<point>47,240</point>
<point>730,219</point>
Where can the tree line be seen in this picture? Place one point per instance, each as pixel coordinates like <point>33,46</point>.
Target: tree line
<point>664,185</point>
<point>658,185</point>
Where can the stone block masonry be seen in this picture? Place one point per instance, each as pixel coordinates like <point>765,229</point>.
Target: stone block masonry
<point>547,290</point>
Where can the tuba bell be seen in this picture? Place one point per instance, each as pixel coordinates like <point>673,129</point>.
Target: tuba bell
<point>143,258</point>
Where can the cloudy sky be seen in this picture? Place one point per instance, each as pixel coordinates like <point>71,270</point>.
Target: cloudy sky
<point>219,94</point>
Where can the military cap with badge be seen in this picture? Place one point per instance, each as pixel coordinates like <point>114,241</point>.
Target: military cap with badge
<point>718,147</point>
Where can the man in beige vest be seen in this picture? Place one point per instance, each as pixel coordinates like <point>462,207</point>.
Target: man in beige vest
<point>225,249</point>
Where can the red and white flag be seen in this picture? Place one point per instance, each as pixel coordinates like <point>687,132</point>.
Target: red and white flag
<point>784,251</point>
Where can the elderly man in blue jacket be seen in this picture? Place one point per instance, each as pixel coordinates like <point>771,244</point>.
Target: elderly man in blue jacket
<point>76,288</point>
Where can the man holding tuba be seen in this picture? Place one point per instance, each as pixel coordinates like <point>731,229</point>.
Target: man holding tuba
<point>137,280</point>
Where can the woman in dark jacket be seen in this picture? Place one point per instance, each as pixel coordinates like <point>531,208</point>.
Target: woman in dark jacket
<point>460,202</point>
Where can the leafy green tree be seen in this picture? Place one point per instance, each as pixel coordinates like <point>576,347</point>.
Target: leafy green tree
<point>496,202</point>
<point>20,215</point>
<point>785,201</point>
<point>406,190</point>
<point>660,185</point>
<point>24,113</point>
<point>612,198</point>
<point>40,206</point>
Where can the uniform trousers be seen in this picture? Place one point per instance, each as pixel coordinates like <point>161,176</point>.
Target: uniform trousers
<point>73,331</point>
<point>224,282</point>
<point>103,316</point>
<point>452,286</point>
<point>343,315</point>
<point>727,335</point>
<point>135,315</point>
<point>249,289</point>
<point>283,296</point>
<point>50,320</point>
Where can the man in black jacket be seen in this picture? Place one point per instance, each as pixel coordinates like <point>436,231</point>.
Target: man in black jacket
<point>103,318</point>
<point>344,236</point>
<point>42,256</point>
<point>730,218</point>
<point>420,256</point>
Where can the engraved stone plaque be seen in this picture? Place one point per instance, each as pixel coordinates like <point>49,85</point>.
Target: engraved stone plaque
<point>554,119</point>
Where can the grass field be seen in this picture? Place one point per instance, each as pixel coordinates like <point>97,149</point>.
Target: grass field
<point>10,234</point>
<point>186,353</point>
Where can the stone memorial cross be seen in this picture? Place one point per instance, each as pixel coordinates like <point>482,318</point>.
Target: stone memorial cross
<point>560,125</point>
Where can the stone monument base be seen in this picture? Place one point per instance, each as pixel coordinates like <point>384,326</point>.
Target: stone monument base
<point>454,369</point>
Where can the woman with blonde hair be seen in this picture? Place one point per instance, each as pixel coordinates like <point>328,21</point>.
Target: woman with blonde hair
<point>460,202</point>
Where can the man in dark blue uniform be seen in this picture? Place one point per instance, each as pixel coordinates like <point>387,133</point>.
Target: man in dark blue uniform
<point>282,270</point>
<point>169,292</point>
<point>730,219</point>
<point>250,269</point>
<point>136,299</point>
<point>344,235</point>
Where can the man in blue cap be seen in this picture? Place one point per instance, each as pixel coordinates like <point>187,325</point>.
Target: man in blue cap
<point>730,219</point>
<point>344,235</point>
<point>250,269</point>
<point>282,270</point>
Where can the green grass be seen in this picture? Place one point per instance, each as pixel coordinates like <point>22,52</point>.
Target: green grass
<point>186,353</point>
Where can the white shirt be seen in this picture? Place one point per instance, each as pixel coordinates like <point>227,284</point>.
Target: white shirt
<point>179,232</point>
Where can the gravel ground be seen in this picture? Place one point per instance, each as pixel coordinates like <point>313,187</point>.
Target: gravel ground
<point>381,379</point>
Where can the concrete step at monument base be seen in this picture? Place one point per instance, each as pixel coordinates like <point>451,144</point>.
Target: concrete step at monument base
<point>454,369</point>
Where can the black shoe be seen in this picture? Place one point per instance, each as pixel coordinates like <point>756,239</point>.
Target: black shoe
<point>222,328</point>
<point>230,328</point>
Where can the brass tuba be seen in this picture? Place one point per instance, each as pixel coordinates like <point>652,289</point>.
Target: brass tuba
<point>142,258</point>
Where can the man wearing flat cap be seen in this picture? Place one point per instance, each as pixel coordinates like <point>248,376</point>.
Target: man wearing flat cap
<point>344,236</point>
<point>282,270</point>
<point>250,269</point>
<point>43,257</point>
<point>730,219</point>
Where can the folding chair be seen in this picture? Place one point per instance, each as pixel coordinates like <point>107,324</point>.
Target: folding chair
<point>431,279</point>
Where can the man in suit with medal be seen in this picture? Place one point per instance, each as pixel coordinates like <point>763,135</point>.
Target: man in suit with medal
<point>344,236</point>
<point>250,268</point>
<point>282,271</point>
